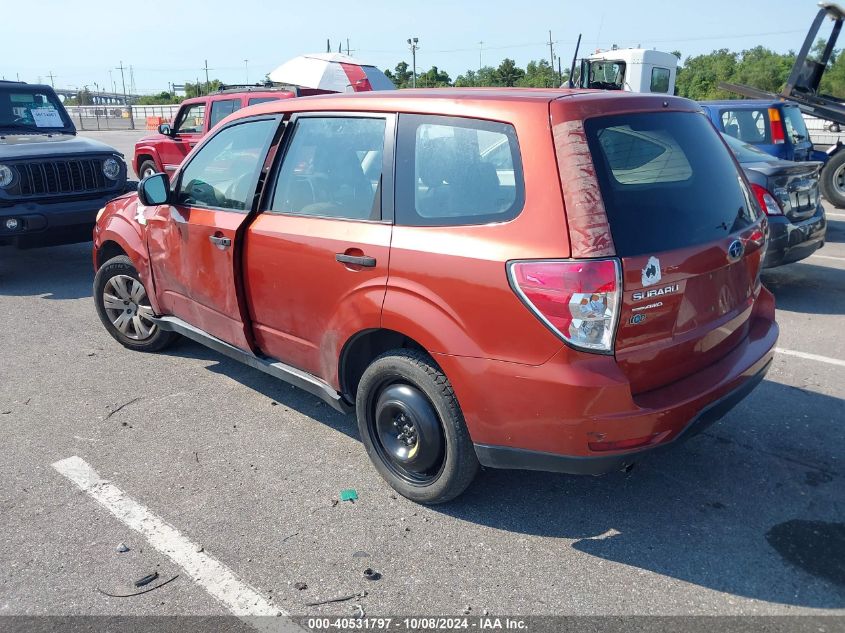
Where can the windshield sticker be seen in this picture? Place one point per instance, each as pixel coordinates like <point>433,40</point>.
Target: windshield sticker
<point>651,272</point>
<point>47,117</point>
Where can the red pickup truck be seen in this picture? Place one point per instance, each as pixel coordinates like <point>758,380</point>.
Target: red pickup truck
<point>163,152</point>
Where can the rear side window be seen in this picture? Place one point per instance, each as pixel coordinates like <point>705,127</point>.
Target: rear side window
<point>221,109</point>
<point>255,100</point>
<point>659,79</point>
<point>667,181</point>
<point>749,126</point>
<point>796,128</point>
<point>456,171</point>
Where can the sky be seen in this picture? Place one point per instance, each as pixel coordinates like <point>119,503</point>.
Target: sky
<point>170,42</point>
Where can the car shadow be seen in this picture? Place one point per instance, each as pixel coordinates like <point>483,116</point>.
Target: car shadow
<point>835,231</point>
<point>56,272</point>
<point>752,507</point>
<point>272,388</point>
<point>804,287</point>
<point>747,508</point>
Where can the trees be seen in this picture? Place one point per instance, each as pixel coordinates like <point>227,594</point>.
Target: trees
<point>401,77</point>
<point>539,75</point>
<point>433,78</point>
<point>508,73</point>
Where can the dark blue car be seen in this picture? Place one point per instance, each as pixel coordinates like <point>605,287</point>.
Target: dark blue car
<point>772,126</point>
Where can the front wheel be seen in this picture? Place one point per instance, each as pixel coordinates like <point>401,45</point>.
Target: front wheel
<point>413,428</point>
<point>124,307</point>
<point>832,180</point>
<point>147,168</point>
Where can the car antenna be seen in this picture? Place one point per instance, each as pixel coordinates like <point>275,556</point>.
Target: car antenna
<point>574,59</point>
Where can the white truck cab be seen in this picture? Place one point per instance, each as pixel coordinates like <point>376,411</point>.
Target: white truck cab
<point>630,69</point>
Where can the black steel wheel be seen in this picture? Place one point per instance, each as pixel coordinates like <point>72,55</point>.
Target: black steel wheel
<point>413,429</point>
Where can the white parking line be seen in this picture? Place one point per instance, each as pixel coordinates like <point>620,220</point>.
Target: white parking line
<point>816,357</point>
<point>833,257</point>
<point>209,573</point>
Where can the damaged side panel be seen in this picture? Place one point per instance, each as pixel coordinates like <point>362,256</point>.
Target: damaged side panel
<point>589,230</point>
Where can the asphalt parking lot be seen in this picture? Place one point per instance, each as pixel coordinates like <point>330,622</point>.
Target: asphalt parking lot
<point>746,518</point>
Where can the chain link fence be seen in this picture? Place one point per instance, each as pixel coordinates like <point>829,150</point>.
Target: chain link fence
<point>120,117</point>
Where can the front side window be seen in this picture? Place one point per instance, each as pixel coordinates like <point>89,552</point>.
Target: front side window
<point>660,80</point>
<point>224,172</point>
<point>221,109</point>
<point>31,109</point>
<point>191,119</point>
<point>332,168</point>
<point>453,171</point>
<point>256,100</point>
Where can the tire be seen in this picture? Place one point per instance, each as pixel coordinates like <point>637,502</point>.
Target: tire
<point>832,180</point>
<point>123,307</point>
<point>147,168</point>
<point>432,462</point>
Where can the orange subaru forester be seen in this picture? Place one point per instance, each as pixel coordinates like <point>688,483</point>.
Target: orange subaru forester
<point>543,279</point>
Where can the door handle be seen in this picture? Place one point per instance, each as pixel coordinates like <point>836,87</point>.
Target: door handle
<point>357,260</point>
<point>220,242</point>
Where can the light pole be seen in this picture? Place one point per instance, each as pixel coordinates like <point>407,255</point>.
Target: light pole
<point>246,67</point>
<point>412,42</point>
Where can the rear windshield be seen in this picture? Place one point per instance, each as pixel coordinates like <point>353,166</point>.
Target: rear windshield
<point>667,181</point>
<point>796,129</point>
<point>31,109</point>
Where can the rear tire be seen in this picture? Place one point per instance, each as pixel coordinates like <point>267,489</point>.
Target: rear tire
<point>124,308</point>
<point>413,428</point>
<point>832,180</point>
<point>147,168</point>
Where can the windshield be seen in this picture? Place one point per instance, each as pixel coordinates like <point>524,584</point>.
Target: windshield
<point>746,153</point>
<point>606,75</point>
<point>31,108</point>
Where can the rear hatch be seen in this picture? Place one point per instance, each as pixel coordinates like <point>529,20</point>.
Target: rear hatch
<point>689,236</point>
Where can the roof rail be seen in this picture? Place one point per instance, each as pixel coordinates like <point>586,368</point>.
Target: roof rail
<point>268,87</point>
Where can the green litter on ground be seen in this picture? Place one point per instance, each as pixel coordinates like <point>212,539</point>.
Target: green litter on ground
<point>348,495</point>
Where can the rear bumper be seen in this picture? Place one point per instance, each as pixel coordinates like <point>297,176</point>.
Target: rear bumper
<point>793,241</point>
<point>61,222</point>
<point>547,417</point>
<point>516,458</point>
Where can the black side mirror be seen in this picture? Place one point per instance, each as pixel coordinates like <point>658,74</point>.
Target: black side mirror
<point>164,128</point>
<point>154,190</point>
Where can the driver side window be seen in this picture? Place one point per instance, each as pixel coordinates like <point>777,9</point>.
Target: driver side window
<point>223,173</point>
<point>191,119</point>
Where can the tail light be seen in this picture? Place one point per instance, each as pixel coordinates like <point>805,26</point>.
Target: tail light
<point>577,300</point>
<point>776,126</point>
<point>767,201</point>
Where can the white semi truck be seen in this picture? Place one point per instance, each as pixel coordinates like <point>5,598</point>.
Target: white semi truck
<point>630,69</point>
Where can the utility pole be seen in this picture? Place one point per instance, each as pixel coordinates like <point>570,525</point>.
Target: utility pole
<point>246,69</point>
<point>551,52</point>
<point>413,43</point>
<point>207,83</point>
<point>125,98</point>
<point>328,46</point>
<point>480,49</point>
<point>131,80</point>
<point>559,74</point>
<point>348,50</point>
<point>51,79</point>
